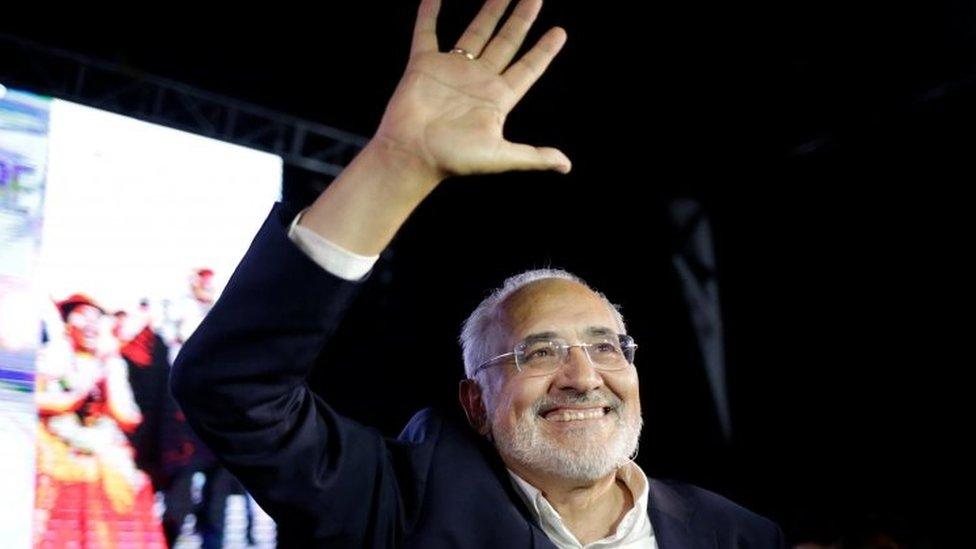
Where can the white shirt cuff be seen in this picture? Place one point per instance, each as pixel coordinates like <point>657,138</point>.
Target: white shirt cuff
<point>329,255</point>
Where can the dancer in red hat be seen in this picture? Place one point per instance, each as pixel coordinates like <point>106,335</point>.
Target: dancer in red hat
<point>89,492</point>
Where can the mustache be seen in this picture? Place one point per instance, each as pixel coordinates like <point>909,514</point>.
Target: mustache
<point>601,398</point>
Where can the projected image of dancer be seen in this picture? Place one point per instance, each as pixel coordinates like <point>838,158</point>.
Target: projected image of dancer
<point>89,491</point>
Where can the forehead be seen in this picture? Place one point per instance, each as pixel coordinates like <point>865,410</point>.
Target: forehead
<point>554,305</point>
<point>84,311</point>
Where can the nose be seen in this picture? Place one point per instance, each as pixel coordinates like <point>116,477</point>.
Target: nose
<point>578,372</point>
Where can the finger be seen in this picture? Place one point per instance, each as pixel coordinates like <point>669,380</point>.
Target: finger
<point>425,29</point>
<point>516,156</point>
<point>524,72</point>
<point>506,43</point>
<point>482,26</point>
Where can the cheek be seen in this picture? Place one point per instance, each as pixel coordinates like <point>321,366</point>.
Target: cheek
<point>515,399</point>
<point>627,387</point>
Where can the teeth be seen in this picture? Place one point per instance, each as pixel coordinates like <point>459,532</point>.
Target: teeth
<point>573,415</point>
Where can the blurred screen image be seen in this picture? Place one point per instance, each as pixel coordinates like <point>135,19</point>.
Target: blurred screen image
<point>116,237</point>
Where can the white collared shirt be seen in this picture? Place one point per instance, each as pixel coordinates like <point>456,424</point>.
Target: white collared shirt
<point>633,532</point>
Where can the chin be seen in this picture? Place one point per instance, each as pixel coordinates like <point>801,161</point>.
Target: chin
<point>574,450</point>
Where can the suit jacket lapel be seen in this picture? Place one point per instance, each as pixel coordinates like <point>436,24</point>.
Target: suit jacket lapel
<point>670,515</point>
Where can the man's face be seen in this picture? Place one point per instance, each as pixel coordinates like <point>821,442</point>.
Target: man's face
<point>577,422</point>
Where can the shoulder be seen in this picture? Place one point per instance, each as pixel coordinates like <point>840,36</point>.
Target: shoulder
<point>706,509</point>
<point>432,423</point>
<point>444,432</point>
<point>708,502</point>
<point>421,427</point>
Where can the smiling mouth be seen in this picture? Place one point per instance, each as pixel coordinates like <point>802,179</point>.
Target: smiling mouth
<point>561,415</point>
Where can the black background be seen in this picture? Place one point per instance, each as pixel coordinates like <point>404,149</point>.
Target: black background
<point>830,145</point>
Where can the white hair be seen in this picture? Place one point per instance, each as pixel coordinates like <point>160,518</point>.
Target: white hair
<point>480,329</point>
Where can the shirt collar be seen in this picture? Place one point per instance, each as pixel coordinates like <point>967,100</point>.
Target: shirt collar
<point>634,524</point>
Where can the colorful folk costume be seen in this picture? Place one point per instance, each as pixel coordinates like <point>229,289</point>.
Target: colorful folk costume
<point>89,492</point>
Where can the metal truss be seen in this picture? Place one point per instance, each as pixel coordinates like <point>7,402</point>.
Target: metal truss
<point>51,71</point>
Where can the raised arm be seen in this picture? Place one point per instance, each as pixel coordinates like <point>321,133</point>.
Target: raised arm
<point>241,378</point>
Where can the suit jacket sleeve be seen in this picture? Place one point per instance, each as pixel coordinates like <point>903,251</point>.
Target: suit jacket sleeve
<point>241,382</point>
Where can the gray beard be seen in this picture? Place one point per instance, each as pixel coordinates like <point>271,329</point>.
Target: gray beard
<point>581,459</point>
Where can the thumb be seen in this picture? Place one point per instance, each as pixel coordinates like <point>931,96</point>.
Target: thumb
<point>516,156</point>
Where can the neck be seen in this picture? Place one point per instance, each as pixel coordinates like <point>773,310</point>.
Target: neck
<point>590,509</point>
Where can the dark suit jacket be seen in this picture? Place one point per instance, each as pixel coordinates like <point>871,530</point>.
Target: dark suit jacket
<point>331,482</point>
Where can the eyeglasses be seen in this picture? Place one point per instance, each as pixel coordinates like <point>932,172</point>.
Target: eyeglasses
<point>544,355</point>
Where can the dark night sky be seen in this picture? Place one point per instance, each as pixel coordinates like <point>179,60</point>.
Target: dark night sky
<point>830,145</point>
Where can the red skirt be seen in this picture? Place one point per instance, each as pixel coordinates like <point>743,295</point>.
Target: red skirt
<point>87,500</point>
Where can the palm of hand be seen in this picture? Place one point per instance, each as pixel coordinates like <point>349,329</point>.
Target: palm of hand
<point>449,111</point>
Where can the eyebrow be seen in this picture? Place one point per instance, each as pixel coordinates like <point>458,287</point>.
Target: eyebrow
<point>539,336</point>
<point>590,331</point>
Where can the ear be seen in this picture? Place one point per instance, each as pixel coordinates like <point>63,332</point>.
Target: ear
<point>469,393</point>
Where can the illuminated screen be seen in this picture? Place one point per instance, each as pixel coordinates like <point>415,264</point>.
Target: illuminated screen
<point>116,236</point>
